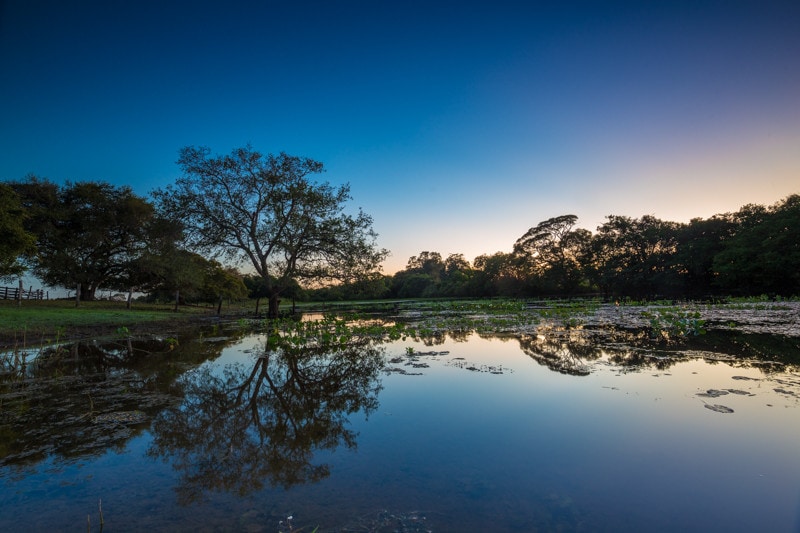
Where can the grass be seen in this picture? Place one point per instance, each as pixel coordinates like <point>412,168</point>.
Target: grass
<point>46,320</point>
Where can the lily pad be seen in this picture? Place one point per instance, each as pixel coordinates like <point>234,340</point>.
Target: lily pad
<point>719,408</point>
<point>712,393</point>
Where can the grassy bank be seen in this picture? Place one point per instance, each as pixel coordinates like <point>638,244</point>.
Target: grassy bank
<point>43,321</point>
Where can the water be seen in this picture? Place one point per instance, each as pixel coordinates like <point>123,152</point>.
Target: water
<point>468,435</point>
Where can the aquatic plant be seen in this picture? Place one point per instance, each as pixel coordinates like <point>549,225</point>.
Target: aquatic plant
<point>674,322</point>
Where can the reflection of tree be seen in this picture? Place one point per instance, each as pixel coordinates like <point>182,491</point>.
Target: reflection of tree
<point>238,428</point>
<point>569,350</point>
<point>563,351</point>
<point>80,399</point>
<point>631,359</point>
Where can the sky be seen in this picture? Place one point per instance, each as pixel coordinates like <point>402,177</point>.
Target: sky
<point>458,125</point>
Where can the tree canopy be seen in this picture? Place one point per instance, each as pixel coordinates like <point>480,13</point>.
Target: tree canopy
<point>301,241</point>
<point>87,233</point>
<point>15,240</point>
<point>265,210</point>
<point>554,253</point>
<point>763,256</point>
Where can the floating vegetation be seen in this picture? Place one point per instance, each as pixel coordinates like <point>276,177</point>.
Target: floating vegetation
<point>711,393</point>
<point>386,521</point>
<point>719,408</point>
<point>673,322</point>
<point>472,367</point>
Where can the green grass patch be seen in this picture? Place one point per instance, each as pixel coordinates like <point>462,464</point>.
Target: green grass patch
<point>54,318</point>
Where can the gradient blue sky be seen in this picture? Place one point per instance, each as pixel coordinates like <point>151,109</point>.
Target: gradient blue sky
<point>458,125</point>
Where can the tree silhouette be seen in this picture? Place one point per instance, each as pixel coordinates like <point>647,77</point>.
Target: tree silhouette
<point>266,211</point>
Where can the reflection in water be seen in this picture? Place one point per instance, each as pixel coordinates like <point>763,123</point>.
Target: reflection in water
<point>481,437</point>
<point>78,400</point>
<point>566,350</point>
<point>240,428</point>
<point>574,351</point>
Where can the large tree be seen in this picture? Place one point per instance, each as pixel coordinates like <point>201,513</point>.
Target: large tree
<point>265,210</point>
<point>87,233</point>
<point>15,241</point>
<point>555,253</point>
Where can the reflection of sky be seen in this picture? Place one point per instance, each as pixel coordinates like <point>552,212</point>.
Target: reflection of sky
<point>528,449</point>
<point>636,451</point>
<point>458,126</point>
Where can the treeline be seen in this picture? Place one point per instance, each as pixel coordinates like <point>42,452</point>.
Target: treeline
<point>91,235</point>
<point>262,210</point>
<point>88,236</point>
<point>754,251</point>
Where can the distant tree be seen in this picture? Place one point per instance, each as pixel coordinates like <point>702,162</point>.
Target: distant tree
<point>367,288</point>
<point>87,233</point>
<point>499,274</point>
<point>456,277</point>
<point>221,283</point>
<point>633,257</point>
<point>15,241</point>
<point>429,263</point>
<point>763,256</point>
<point>256,288</point>
<point>413,284</point>
<point>187,277</point>
<point>456,263</point>
<point>421,277</point>
<point>554,252</point>
<point>264,209</point>
<point>175,274</point>
<point>698,243</point>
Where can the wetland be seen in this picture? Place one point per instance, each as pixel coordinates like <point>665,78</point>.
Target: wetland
<point>493,415</point>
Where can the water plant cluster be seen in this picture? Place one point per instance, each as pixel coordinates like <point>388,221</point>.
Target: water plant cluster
<point>329,331</point>
<point>672,322</point>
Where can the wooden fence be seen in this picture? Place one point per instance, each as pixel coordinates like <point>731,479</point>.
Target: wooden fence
<point>12,293</point>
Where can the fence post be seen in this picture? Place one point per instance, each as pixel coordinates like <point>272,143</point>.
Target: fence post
<point>19,293</point>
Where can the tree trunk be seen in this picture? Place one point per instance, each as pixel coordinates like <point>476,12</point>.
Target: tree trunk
<point>78,295</point>
<point>177,299</point>
<point>130,297</point>
<point>88,292</point>
<point>274,302</point>
<point>258,301</point>
<point>19,293</point>
<point>219,306</point>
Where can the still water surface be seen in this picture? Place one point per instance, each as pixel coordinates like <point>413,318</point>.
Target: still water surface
<point>467,435</point>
